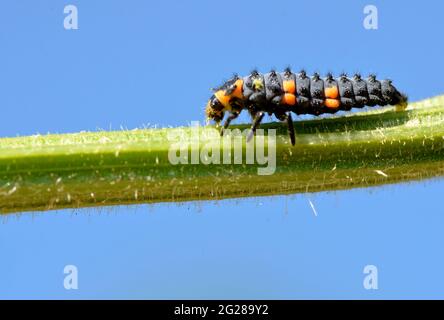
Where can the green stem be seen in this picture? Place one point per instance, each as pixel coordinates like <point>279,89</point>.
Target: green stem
<point>377,147</point>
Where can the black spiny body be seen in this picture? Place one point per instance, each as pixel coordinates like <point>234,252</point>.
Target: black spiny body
<point>280,94</point>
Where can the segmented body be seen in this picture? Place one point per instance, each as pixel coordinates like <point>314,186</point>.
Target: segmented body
<point>286,92</point>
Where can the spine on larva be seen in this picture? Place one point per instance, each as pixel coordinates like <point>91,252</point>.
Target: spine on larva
<point>299,93</point>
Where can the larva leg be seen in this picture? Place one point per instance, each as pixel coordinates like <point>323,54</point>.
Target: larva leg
<point>230,118</point>
<point>291,129</point>
<point>256,122</point>
<point>289,120</point>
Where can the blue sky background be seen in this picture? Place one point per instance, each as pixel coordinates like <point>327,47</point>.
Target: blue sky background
<point>136,63</point>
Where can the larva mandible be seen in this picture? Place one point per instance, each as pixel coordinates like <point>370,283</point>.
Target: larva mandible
<point>280,94</point>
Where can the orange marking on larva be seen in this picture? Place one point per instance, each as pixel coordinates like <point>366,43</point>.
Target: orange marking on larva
<point>223,99</point>
<point>289,99</point>
<point>332,103</point>
<point>331,92</point>
<point>237,93</point>
<point>289,86</point>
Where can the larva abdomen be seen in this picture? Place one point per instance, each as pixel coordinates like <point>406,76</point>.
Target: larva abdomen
<point>316,95</point>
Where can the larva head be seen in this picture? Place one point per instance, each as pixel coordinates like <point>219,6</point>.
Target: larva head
<point>224,99</point>
<point>214,110</point>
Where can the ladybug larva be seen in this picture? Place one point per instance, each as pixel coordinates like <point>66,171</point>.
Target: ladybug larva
<point>280,94</point>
